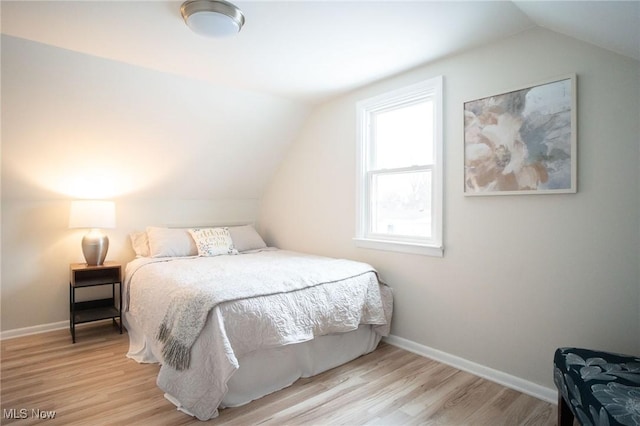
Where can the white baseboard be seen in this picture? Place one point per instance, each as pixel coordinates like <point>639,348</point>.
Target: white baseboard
<point>513,382</point>
<point>36,329</point>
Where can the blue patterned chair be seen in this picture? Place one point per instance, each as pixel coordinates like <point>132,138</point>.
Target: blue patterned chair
<point>597,388</point>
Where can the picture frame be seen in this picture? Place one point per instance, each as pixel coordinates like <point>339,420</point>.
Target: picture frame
<point>523,141</point>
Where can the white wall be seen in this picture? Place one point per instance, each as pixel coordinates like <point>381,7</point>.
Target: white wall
<point>521,275</point>
<point>169,150</point>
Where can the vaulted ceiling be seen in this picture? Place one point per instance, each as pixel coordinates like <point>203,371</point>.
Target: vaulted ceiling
<point>310,50</point>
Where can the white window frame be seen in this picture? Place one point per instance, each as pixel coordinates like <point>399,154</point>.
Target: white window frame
<point>428,89</point>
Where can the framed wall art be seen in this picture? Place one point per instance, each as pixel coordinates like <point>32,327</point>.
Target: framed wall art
<point>522,141</point>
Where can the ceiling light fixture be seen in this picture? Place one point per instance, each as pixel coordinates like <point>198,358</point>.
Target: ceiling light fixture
<point>212,18</point>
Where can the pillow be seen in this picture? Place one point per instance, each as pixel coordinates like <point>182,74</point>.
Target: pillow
<point>213,241</point>
<point>246,238</point>
<point>140,243</point>
<point>167,242</point>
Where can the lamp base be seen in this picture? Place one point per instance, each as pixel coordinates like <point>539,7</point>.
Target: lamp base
<point>94,247</point>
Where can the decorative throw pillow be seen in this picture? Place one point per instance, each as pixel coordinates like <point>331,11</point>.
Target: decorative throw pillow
<point>140,243</point>
<point>246,238</point>
<point>167,242</point>
<point>213,241</point>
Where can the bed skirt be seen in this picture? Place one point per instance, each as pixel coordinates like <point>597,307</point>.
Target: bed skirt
<point>266,371</point>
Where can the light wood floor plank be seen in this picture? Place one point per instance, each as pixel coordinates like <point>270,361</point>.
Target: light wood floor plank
<point>93,383</point>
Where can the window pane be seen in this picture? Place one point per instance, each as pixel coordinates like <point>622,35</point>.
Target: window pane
<point>404,136</point>
<point>401,204</point>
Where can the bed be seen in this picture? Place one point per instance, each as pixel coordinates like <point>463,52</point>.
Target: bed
<point>231,320</point>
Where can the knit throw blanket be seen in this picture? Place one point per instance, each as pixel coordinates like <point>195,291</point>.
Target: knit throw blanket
<point>182,324</point>
<point>241,278</point>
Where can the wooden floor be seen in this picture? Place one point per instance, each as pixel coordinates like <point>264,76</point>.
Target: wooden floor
<point>93,383</point>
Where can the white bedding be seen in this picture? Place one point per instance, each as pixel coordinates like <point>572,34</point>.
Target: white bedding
<point>264,300</point>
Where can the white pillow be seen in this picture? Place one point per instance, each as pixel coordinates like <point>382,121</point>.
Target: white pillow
<point>213,241</point>
<point>140,243</point>
<point>246,238</point>
<point>166,242</point>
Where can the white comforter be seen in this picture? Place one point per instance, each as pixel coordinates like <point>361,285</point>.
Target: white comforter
<point>263,300</point>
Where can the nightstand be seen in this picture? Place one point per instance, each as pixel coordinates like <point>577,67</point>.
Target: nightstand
<point>84,276</point>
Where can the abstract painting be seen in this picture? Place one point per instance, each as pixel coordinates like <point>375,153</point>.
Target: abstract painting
<point>523,141</point>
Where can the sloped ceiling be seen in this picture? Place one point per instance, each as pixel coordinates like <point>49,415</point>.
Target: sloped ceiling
<point>309,50</point>
<point>305,50</point>
<point>613,25</point>
<point>121,96</point>
<point>75,125</point>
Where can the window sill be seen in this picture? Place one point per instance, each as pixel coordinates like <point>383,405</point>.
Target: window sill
<point>400,247</point>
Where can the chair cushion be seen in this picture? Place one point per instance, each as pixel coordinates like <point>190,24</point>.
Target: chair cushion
<point>601,388</point>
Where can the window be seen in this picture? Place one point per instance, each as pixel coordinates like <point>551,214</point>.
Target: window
<point>399,180</point>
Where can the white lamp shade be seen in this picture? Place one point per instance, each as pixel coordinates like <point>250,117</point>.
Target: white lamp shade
<point>92,214</point>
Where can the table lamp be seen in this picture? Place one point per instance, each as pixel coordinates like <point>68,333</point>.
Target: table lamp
<point>94,215</point>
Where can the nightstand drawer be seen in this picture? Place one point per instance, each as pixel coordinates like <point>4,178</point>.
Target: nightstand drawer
<point>82,275</point>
